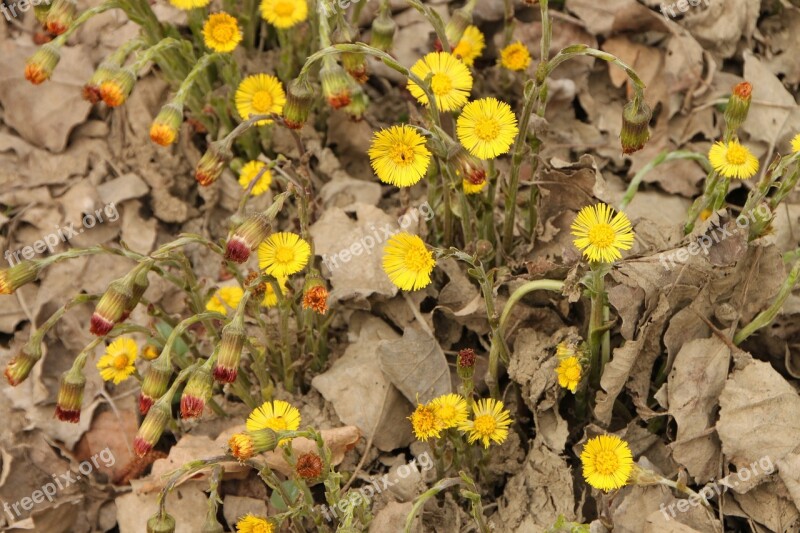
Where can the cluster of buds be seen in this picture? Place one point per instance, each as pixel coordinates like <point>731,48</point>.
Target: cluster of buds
<point>315,295</point>
<point>60,16</point>
<point>213,162</point>
<point>635,130</point>
<point>299,98</point>
<point>197,393</point>
<point>153,426</point>
<point>155,383</point>
<point>245,445</point>
<point>164,129</point>
<point>246,238</point>
<point>230,351</point>
<point>335,85</point>
<point>738,106</point>
<point>70,394</point>
<point>40,66</point>
<point>18,275</point>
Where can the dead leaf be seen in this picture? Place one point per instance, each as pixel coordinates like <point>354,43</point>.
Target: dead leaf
<point>415,365</point>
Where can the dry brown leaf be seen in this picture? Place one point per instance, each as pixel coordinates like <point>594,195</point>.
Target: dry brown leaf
<point>416,365</point>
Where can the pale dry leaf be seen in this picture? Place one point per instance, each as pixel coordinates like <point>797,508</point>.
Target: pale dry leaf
<point>416,365</point>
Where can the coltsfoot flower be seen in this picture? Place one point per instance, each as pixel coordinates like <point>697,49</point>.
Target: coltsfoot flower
<point>796,143</point>
<point>408,262</point>
<point>60,16</point>
<point>249,172</point>
<point>225,298</point>
<point>600,233</point>
<point>607,462</point>
<point>569,372</point>
<point>197,392</point>
<point>259,94</point>
<point>221,32</point>
<point>276,415</point>
<point>254,524</point>
<point>732,160</point>
<point>487,128</point>
<point>117,363</point>
<point>283,254</point>
<point>451,82</point>
<point>473,188</point>
<point>284,13</point>
<point>245,445</point>
<point>489,423</point>
<point>399,156</point>
<point>270,297</point>
<point>18,275</point>
<point>471,45</point>
<point>164,129</point>
<point>118,87</point>
<point>450,409</point>
<point>40,66</point>
<point>315,295</point>
<point>189,4</point>
<point>515,57</point>
<point>425,423</point>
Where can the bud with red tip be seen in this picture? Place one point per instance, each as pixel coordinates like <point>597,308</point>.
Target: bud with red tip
<point>153,426</point>
<point>245,445</point>
<point>111,307</point>
<point>197,393</point>
<point>91,91</point>
<point>335,85</point>
<point>19,368</point>
<point>635,131</point>
<point>118,87</point>
<point>230,351</point>
<point>18,275</point>
<point>247,237</point>
<point>139,287</point>
<point>60,16</point>
<point>213,162</point>
<point>164,129</point>
<point>70,394</point>
<point>465,364</point>
<point>469,168</point>
<point>738,106</point>
<point>358,103</point>
<point>40,66</point>
<point>299,98</point>
<point>155,383</point>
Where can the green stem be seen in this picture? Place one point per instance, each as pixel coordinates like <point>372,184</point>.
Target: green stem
<point>597,322</point>
<point>663,157</point>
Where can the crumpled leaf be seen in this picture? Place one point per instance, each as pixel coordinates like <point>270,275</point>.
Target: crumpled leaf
<point>415,365</point>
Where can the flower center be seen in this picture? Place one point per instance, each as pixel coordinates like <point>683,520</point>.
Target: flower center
<point>402,155</point>
<point>736,155</point>
<point>602,235</point>
<point>262,101</point>
<point>222,33</point>
<point>277,424</point>
<point>121,361</point>
<point>447,412</point>
<point>284,254</point>
<point>417,259</point>
<point>573,372</point>
<point>487,129</point>
<point>606,462</point>
<point>425,421</point>
<point>284,9</point>
<point>485,425</point>
<point>441,84</point>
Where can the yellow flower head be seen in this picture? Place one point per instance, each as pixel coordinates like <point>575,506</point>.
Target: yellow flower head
<point>408,262</point>
<point>284,13</point>
<point>241,445</point>
<point>470,46</point>
<point>283,254</point>
<point>254,524</point>
<point>487,128</point>
<point>117,363</point>
<point>472,188</point>
<point>259,94</point>
<point>399,156</point>
<point>569,373</point>
<point>450,409</point>
<point>425,423</point>
<point>601,234</point>
<point>796,143</point>
<point>249,173</point>
<point>515,56</point>
<point>189,4</point>
<point>150,352</point>
<point>221,32</point>
<point>270,298</point>
<point>732,160</point>
<point>489,424</point>
<point>225,298</point>
<point>451,82</point>
<point>607,462</point>
<point>276,415</point>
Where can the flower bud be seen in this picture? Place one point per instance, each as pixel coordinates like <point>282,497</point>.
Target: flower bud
<point>140,285</point>
<point>19,368</point>
<point>469,168</point>
<point>18,275</point>
<point>164,129</point>
<point>335,85</point>
<point>355,64</point>
<point>635,131</point>
<point>211,165</point>
<point>60,16</point>
<point>150,352</point>
<point>247,237</point>
<point>70,395</point>
<point>358,104</point>
<point>152,427</point>
<point>118,87</point>
<point>738,105</point>
<point>230,351</point>
<point>299,98</point>
<point>155,383</point>
<point>161,524</point>
<point>91,91</point>
<point>245,445</point>
<point>315,295</point>
<point>454,30</point>
<point>197,393</point>
<point>40,66</point>
<point>465,364</point>
<point>112,305</point>
<point>383,30</point>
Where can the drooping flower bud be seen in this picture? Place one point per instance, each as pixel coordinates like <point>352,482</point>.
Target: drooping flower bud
<point>383,30</point>
<point>455,27</point>
<point>245,445</point>
<point>112,305</point>
<point>152,426</point>
<point>635,130</point>
<point>70,395</point>
<point>355,64</point>
<point>211,165</point>
<point>738,106</point>
<point>230,351</point>
<point>469,168</point>
<point>18,275</point>
<point>140,285</point>
<point>159,523</point>
<point>40,66</point>
<point>335,85</point>
<point>299,98</point>
<point>60,16</point>
<point>164,129</point>
<point>19,368</point>
<point>197,393</point>
<point>358,103</point>
<point>91,91</point>
<point>155,383</point>
<point>118,87</point>
<point>247,237</point>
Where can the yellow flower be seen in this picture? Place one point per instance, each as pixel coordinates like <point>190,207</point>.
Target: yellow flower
<point>601,234</point>
<point>283,254</point>
<point>569,373</point>
<point>150,352</point>
<point>224,298</point>
<point>117,363</point>
<point>221,32</point>
<point>607,462</point>
<point>470,46</point>
<point>408,262</point>
<point>399,156</point>
<point>733,160</point>
<point>254,524</point>
<point>490,422</point>
<point>450,409</point>
<point>284,13</point>
<point>565,349</point>
<point>270,298</point>
<point>189,4</point>
<point>260,94</point>
<point>249,173</point>
<point>796,143</point>
<point>472,188</point>
<point>515,57</point>
<point>425,423</point>
<point>487,128</point>
<point>276,415</point>
<point>451,82</point>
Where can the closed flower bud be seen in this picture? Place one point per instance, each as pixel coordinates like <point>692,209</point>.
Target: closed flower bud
<point>152,427</point>
<point>245,445</point>
<point>164,129</point>
<point>230,351</point>
<point>140,285</point>
<point>112,305</point>
<point>454,30</point>
<point>247,237</point>
<point>70,395</point>
<point>383,30</point>
<point>155,383</point>
<point>18,369</point>
<point>196,393</point>
<point>211,165</point>
<point>299,98</point>
<point>91,91</point>
<point>159,523</point>
<point>635,126</point>
<point>358,104</point>
<point>60,16</point>
<point>335,85</point>
<point>18,275</point>
<point>118,87</point>
<point>465,364</point>
<point>738,105</point>
<point>355,64</point>
<point>150,352</point>
<point>469,167</point>
<point>315,295</point>
<point>40,66</point>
